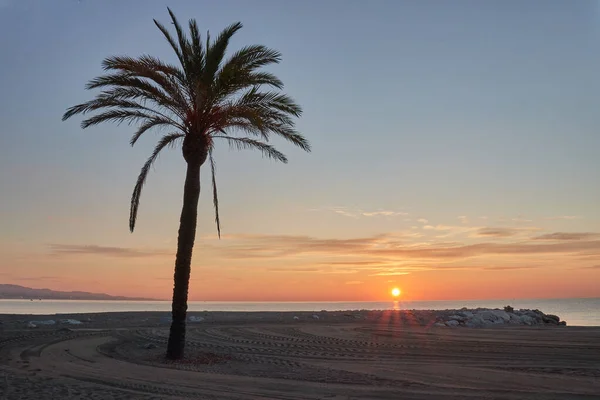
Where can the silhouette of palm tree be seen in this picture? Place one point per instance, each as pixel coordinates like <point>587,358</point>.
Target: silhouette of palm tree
<point>205,99</point>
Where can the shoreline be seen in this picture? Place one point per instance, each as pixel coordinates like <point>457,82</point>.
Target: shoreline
<point>383,355</point>
<point>452,318</point>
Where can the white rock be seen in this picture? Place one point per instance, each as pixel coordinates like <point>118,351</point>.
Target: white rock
<point>515,319</point>
<point>527,320</point>
<point>439,324</point>
<point>315,316</point>
<point>31,325</point>
<point>476,322</point>
<point>296,318</point>
<point>487,315</point>
<point>44,322</point>
<point>456,317</point>
<point>537,317</point>
<point>467,314</point>
<point>70,322</point>
<point>452,323</point>
<point>503,315</point>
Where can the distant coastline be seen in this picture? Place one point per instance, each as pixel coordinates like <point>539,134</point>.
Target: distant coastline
<point>17,292</point>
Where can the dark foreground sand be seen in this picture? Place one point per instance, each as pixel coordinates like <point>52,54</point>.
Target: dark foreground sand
<point>386,355</point>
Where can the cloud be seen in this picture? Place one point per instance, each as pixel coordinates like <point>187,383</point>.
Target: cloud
<point>520,219</point>
<point>438,227</point>
<point>589,267</point>
<point>68,249</point>
<point>463,219</point>
<point>508,268</point>
<point>387,247</point>
<point>497,232</point>
<point>383,213</point>
<point>325,269</point>
<point>38,278</point>
<point>564,217</point>
<point>376,255</point>
<point>346,213</point>
<point>568,236</point>
<point>293,269</point>
<point>449,230</point>
<point>502,232</point>
<point>423,221</point>
<point>358,213</point>
<point>354,283</point>
<point>391,273</point>
<point>355,263</point>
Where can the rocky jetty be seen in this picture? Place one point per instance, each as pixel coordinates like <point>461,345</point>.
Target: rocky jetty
<point>485,317</point>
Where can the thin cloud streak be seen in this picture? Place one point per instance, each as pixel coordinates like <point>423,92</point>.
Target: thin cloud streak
<point>497,232</point>
<point>501,232</point>
<point>463,219</point>
<point>389,247</point>
<point>379,248</point>
<point>358,213</point>
<point>67,249</point>
<point>568,236</point>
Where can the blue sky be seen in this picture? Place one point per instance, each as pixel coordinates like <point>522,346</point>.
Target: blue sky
<point>428,110</point>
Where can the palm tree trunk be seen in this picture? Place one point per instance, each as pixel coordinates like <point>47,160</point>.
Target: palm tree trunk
<point>185,246</point>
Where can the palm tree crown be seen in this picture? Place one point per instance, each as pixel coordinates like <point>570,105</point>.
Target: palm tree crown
<point>205,98</point>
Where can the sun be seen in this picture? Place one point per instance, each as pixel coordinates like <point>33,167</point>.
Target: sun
<point>396,292</point>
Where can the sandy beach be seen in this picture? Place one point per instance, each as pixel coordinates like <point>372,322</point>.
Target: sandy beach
<point>344,355</point>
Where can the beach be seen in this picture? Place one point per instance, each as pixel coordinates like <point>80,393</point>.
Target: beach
<point>290,355</point>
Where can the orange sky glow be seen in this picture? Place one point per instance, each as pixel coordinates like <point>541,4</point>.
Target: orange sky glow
<point>443,263</point>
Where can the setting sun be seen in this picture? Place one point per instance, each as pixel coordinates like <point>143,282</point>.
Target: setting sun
<point>396,292</point>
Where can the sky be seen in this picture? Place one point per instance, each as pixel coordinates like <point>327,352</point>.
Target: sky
<point>455,154</point>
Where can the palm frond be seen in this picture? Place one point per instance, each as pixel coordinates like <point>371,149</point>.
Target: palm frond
<point>146,126</point>
<point>166,77</point>
<point>198,59</point>
<point>254,98</point>
<point>109,100</point>
<point>239,71</point>
<point>184,44</point>
<point>171,41</point>
<point>118,116</point>
<point>99,103</point>
<point>167,140</point>
<point>216,52</point>
<point>214,188</point>
<point>262,113</point>
<point>130,87</point>
<point>243,143</point>
<point>252,57</point>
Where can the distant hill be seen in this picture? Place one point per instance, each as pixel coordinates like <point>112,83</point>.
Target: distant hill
<point>21,292</point>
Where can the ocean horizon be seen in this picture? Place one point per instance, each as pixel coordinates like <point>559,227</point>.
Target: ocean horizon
<point>576,311</point>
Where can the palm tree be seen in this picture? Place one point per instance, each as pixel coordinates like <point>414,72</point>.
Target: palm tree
<point>204,99</point>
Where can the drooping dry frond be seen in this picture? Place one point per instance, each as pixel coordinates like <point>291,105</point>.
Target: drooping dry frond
<point>214,191</point>
<point>244,143</point>
<point>167,140</point>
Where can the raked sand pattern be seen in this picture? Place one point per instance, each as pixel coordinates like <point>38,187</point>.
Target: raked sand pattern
<point>273,356</point>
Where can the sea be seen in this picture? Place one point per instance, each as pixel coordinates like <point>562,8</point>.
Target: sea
<point>577,312</point>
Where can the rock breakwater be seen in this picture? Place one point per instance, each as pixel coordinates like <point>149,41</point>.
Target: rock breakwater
<point>485,317</point>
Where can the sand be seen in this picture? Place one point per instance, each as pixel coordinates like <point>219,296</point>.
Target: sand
<point>345,355</point>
